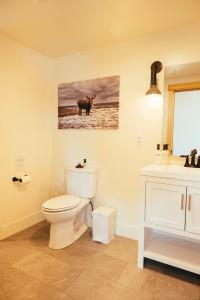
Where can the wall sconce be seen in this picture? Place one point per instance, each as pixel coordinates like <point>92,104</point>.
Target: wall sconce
<point>156,67</point>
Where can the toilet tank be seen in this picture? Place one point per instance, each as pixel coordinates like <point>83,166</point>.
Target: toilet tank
<point>81,182</point>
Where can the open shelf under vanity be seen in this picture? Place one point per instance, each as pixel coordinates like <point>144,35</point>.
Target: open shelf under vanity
<point>172,250</point>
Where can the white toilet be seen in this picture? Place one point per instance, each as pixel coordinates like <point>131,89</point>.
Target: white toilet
<point>67,213</point>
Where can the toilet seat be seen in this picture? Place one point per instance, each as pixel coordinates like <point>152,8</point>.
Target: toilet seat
<point>61,203</point>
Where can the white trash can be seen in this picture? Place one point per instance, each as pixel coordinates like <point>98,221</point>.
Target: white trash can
<point>103,224</point>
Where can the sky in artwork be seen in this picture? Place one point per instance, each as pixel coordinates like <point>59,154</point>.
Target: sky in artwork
<point>106,90</point>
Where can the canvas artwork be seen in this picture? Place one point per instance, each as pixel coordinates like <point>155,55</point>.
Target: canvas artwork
<point>89,104</point>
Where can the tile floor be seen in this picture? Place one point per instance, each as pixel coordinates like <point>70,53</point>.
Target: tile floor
<point>29,270</point>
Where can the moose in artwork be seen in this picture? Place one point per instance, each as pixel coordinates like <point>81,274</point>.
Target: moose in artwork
<point>85,104</point>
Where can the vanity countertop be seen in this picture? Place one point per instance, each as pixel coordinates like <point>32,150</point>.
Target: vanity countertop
<point>171,171</point>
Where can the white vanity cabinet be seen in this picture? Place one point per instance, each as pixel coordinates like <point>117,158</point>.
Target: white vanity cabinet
<point>170,216</point>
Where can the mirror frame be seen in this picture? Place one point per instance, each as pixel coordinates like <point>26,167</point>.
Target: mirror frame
<point>171,90</point>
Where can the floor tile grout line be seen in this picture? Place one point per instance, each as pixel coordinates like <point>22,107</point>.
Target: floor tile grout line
<point>42,282</point>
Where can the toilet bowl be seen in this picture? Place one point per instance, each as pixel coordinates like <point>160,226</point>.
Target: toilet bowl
<point>67,216</point>
<point>68,213</point>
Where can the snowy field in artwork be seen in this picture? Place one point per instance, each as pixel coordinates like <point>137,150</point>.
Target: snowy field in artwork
<point>99,118</point>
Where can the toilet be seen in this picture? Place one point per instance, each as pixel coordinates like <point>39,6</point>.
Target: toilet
<point>67,213</point>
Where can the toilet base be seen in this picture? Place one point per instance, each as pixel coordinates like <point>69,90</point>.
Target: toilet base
<point>65,233</point>
<point>81,231</point>
<point>61,235</point>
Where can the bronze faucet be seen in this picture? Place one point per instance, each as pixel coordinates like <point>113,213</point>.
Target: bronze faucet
<point>193,159</point>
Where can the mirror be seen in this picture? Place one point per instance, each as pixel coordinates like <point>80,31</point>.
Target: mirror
<point>182,108</point>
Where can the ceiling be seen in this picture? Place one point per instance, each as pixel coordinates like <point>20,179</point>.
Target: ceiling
<point>59,27</point>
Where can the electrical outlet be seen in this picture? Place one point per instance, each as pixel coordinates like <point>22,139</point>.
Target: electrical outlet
<point>139,141</point>
<point>19,164</point>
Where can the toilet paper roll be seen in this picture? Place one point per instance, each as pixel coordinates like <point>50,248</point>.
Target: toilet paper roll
<point>25,179</point>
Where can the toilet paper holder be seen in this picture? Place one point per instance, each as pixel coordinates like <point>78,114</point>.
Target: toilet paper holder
<point>23,179</point>
<point>15,179</point>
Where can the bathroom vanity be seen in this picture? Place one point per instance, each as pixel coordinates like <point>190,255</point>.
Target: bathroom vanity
<point>170,216</point>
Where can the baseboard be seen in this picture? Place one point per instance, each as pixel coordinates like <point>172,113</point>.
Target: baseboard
<point>21,224</point>
<point>126,230</point>
<point>11,228</point>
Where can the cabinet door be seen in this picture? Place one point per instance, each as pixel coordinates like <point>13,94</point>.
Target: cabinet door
<point>193,210</point>
<point>165,205</point>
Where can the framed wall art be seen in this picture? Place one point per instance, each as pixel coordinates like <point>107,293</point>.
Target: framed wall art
<point>91,104</point>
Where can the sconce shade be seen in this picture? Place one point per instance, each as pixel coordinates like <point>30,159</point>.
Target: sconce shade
<point>153,90</point>
<point>156,67</point>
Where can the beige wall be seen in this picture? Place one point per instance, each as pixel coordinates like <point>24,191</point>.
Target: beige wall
<point>25,132</point>
<point>28,117</point>
<point>114,152</point>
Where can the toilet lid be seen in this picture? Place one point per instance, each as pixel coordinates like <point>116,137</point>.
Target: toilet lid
<point>61,203</point>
